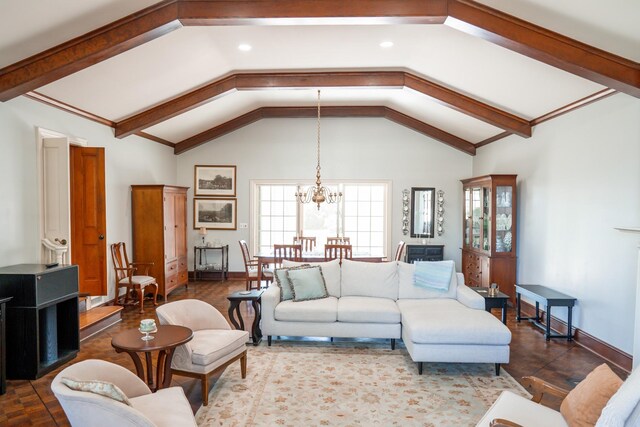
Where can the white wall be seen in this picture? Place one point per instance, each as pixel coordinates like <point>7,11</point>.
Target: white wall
<point>578,178</point>
<point>375,149</point>
<point>129,161</point>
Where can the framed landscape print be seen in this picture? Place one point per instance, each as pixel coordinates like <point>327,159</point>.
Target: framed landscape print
<point>215,214</point>
<point>215,181</point>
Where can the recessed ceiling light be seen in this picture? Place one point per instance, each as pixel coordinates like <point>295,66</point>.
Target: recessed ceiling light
<point>386,44</point>
<point>244,47</point>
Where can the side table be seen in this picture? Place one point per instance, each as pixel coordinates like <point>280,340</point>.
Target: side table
<point>3,350</point>
<point>165,341</point>
<point>493,301</point>
<point>234,306</point>
<point>550,298</point>
<point>200,267</point>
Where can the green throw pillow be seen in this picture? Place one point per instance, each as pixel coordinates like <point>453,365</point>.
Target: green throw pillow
<point>286,291</point>
<point>307,283</point>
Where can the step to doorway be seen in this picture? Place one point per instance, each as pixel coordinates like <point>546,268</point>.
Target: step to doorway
<point>98,319</point>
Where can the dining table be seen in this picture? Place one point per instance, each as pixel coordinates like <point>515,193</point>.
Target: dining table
<point>266,258</point>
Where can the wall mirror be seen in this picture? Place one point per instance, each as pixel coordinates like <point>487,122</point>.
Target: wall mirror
<point>422,211</point>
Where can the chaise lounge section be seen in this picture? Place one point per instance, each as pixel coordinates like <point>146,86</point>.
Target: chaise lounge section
<point>381,300</point>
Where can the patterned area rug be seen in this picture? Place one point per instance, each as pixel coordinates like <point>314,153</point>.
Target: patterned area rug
<point>306,384</point>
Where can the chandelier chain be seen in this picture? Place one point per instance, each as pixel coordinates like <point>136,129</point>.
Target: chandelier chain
<point>318,142</point>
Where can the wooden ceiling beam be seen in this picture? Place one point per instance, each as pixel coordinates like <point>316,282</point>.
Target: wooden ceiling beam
<point>329,111</point>
<point>312,12</point>
<point>377,79</point>
<point>546,46</point>
<point>88,49</point>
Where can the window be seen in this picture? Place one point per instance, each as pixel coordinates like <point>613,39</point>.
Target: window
<point>362,216</point>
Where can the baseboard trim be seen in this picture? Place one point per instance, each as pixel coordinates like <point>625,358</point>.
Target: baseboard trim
<point>231,275</point>
<point>595,345</point>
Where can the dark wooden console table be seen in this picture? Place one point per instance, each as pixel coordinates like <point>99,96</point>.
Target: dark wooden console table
<point>549,298</point>
<point>201,266</point>
<point>254,297</point>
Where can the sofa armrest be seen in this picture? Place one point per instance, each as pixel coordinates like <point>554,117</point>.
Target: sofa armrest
<point>270,299</point>
<point>470,298</point>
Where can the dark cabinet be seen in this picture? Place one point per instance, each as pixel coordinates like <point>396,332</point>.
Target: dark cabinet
<point>415,253</point>
<point>3,353</point>
<point>42,330</point>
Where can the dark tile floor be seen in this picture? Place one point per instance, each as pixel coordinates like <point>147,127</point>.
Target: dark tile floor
<point>32,402</point>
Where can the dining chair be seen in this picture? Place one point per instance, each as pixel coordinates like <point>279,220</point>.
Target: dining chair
<point>251,268</point>
<point>288,252</point>
<point>308,243</point>
<point>134,276</point>
<point>337,252</point>
<point>338,240</point>
<point>399,249</point>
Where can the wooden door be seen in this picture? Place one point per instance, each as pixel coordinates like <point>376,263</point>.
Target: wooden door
<point>88,218</point>
<point>55,192</point>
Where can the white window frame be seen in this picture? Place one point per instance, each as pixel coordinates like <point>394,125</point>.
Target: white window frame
<point>254,204</point>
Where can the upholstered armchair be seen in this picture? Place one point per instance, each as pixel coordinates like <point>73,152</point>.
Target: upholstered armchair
<point>166,407</point>
<point>214,345</point>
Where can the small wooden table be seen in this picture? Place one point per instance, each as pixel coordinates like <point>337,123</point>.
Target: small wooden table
<point>199,267</point>
<point>550,298</point>
<point>234,305</point>
<point>493,301</point>
<point>165,341</point>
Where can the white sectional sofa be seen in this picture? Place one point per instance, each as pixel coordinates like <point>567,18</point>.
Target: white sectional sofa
<point>380,300</point>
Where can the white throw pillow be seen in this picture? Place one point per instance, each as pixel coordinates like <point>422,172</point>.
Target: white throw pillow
<point>103,388</point>
<point>370,279</point>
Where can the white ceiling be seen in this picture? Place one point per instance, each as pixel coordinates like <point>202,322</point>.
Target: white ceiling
<point>192,56</point>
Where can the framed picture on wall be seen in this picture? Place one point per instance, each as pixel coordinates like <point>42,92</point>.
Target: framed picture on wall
<point>215,214</point>
<point>215,181</point>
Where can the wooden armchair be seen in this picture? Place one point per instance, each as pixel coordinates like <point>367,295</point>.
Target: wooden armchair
<point>252,268</point>
<point>538,388</point>
<point>134,276</point>
<point>289,252</point>
<point>337,252</point>
<point>338,240</point>
<point>308,243</point>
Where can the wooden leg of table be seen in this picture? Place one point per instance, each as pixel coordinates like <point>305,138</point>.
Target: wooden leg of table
<point>240,320</point>
<point>136,362</point>
<point>233,305</point>
<point>569,331</point>
<point>147,356</point>
<point>504,313</point>
<point>518,299</point>
<point>160,372</point>
<point>548,325</point>
<point>255,327</point>
<point>166,368</point>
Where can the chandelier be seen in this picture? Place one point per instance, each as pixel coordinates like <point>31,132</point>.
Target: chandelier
<point>318,193</point>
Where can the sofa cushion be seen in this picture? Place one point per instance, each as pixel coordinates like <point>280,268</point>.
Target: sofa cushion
<point>166,407</point>
<point>368,310</point>
<point>317,310</point>
<point>209,345</point>
<point>623,409</point>
<point>307,283</point>
<point>583,405</point>
<point>446,321</point>
<point>408,289</point>
<point>330,272</point>
<point>370,279</point>
<point>510,406</point>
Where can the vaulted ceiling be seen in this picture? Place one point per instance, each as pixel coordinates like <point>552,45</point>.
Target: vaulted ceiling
<point>462,72</point>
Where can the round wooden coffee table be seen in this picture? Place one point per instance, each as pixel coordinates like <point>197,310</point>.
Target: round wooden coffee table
<point>165,341</point>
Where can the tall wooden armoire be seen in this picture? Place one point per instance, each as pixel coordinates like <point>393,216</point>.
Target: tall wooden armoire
<point>489,232</point>
<point>159,219</point>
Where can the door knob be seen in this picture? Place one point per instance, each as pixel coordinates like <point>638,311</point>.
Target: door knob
<point>101,237</point>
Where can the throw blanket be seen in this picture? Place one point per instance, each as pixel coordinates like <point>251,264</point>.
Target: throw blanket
<point>434,274</point>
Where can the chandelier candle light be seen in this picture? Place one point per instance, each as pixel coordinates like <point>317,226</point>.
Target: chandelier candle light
<point>318,193</point>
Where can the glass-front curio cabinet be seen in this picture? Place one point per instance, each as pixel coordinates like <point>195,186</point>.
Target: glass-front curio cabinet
<point>489,231</point>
